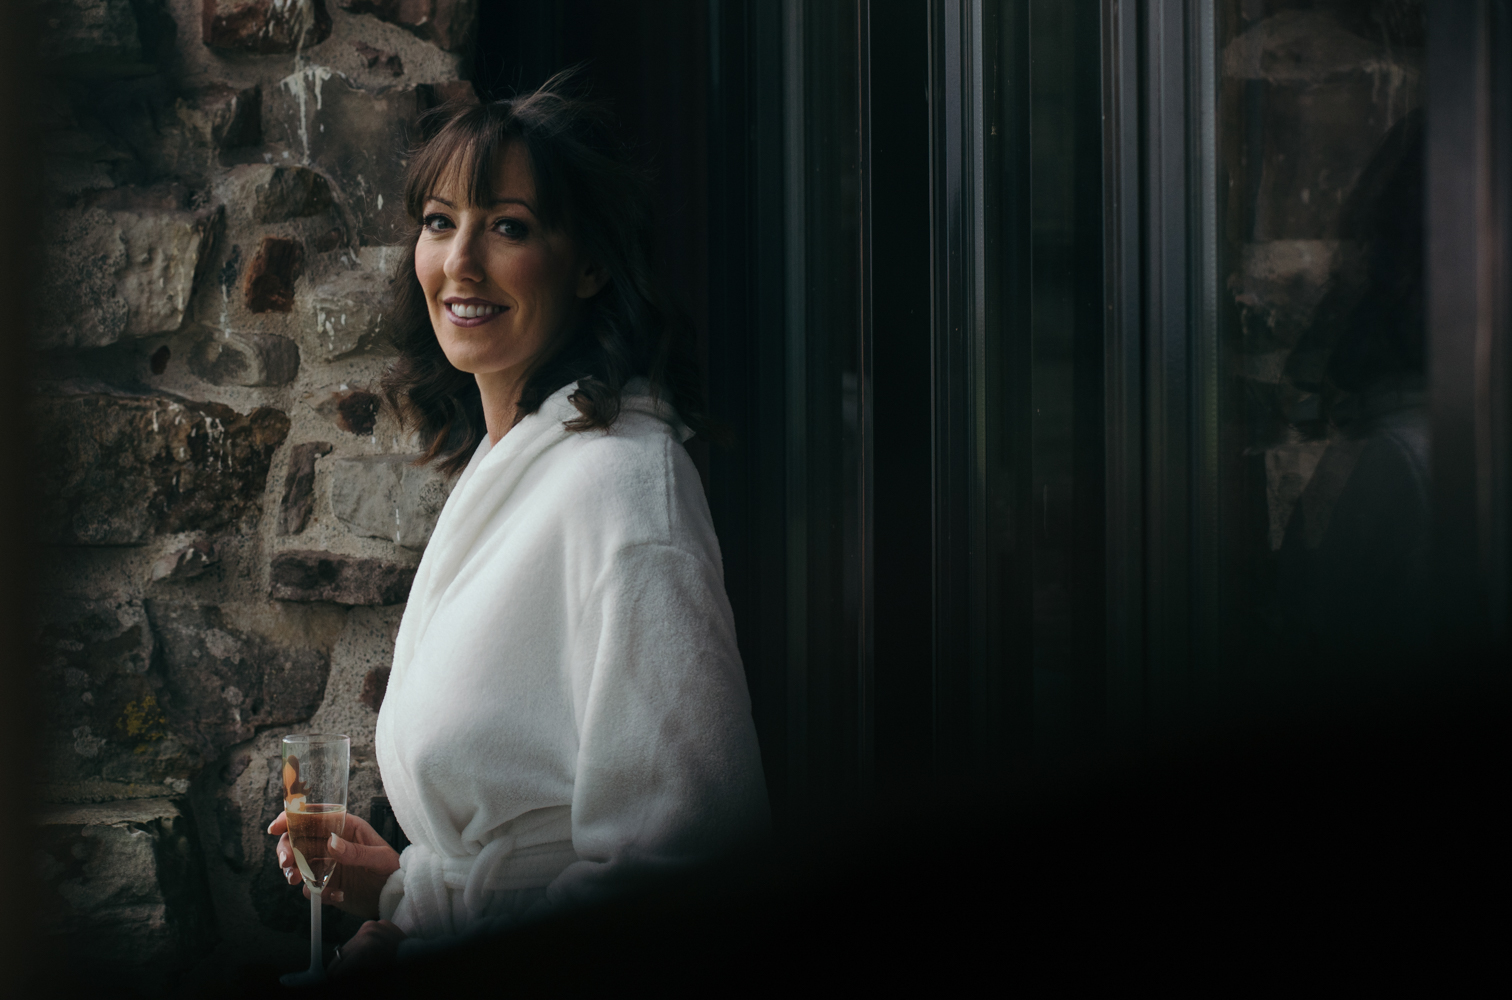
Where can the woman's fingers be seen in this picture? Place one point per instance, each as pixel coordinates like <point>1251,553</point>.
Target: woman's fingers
<point>373,944</point>
<point>285,855</point>
<point>282,852</point>
<point>388,930</point>
<point>359,847</point>
<point>358,829</point>
<point>382,858</point>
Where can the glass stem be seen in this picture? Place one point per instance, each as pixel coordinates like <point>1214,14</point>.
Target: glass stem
<point>315,963</point>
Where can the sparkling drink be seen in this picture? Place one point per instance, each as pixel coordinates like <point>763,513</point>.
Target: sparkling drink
<point>310,829</point>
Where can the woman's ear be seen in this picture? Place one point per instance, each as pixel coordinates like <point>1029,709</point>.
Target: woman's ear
<point>591,280</point>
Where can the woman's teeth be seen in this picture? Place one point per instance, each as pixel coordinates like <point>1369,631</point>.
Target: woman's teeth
<point>472,312</point>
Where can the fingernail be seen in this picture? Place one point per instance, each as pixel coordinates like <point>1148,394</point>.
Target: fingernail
<point>337,844</point>
<point>288,873</point>
<point>270,826</point>
<point>283,858</point>
<point>336,896</point>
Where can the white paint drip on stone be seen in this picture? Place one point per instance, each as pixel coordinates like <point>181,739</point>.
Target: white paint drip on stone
<point>300,84</point>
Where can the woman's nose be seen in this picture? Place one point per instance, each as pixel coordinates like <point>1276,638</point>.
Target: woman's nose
<point>463,262</point>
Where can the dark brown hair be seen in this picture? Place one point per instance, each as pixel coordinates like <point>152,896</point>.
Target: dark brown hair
<point>589,186</point>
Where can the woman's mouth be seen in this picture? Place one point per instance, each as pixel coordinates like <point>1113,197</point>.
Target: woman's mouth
<point>472,313</point>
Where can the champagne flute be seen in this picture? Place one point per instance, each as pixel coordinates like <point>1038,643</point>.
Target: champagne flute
<point>315,769</point>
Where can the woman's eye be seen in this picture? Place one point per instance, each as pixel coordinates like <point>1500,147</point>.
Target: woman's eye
<point>436,223</point>
<point>513,228</point>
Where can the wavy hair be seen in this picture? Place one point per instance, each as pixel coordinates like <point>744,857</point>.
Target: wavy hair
<point>589,186</point>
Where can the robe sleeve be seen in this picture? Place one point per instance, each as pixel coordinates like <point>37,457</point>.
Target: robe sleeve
<point>668,770</point>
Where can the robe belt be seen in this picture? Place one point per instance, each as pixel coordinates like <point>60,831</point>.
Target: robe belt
<point>422,896</point>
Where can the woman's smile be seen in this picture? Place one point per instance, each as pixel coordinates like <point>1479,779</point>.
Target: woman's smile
<point>472,312</point>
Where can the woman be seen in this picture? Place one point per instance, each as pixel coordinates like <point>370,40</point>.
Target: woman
<point>567,709</point>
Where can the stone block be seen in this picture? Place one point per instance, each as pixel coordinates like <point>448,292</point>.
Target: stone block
<point>374,687</point>
<point>78,32</point>
<point>222,684</point>
<point>355,412</point>
<point>137,698</point>
<point>102,697</point>
<point>250,796</point>
<point>185,563</point>
<point>117,470</point>
<point>345,313</point>
<point>357,138</point>
<point>360,663</point>
<point>303,575</point>
<point>449,24</point>
<point>218,116</point>
<point>374,58</point>
<point>299,486</point>
<point>76,162</point>
<point>109,274</point>
<point>332,239</point>
<point>387,496</point>
<point>269,284</point>
<point>264,26</point>
<point>289,193</point>
<point>125,897</point>
<point>232,357</point>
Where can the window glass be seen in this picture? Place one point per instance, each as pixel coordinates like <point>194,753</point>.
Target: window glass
<point>1325,423</point>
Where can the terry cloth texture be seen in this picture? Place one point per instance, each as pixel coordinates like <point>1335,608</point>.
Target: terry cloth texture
<point>567,708</point>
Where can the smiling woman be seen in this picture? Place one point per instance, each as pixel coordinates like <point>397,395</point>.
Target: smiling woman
<point>530,270</point>
<point>567,711</point>
<point>497,282</point>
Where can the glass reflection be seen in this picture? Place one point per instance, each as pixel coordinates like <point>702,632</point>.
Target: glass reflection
<point>1321,147</point>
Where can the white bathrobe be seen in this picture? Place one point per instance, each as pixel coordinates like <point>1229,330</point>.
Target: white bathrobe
<point>567,708</point>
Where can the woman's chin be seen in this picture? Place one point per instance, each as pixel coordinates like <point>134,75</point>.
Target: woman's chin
<point>483,366</point>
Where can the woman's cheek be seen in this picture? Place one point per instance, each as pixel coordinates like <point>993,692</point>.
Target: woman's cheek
<point>527,273</point>
<point>429,270</point>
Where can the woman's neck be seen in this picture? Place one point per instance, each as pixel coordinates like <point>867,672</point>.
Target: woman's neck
<point>500,392</point>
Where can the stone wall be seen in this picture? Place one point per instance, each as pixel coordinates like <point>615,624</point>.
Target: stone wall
<point>229,522</point>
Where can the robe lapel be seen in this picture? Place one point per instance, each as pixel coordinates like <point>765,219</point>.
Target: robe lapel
<point>472,513</point>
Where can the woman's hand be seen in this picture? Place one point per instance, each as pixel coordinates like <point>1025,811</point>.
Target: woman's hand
<point>374,944</point>
<point>364,861</point>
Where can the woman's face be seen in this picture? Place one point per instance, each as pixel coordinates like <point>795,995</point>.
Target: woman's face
<point>498,283</point>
